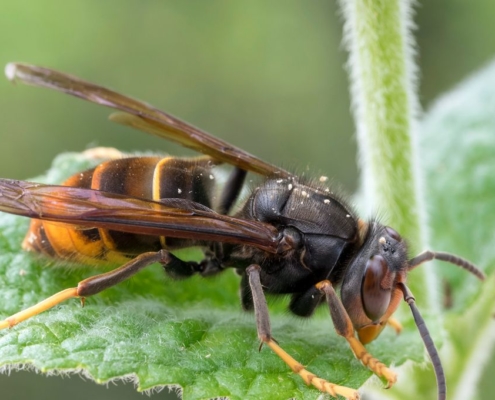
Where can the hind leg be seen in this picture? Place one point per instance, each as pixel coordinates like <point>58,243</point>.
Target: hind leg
<point>95,284</point>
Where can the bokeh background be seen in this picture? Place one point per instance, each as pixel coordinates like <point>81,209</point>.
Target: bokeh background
<point>266,76</point>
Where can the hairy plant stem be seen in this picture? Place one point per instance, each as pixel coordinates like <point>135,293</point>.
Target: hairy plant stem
<point>377,34</point>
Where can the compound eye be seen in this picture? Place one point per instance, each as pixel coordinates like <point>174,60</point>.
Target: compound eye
<point>375,291</point>
<point>393,233</point>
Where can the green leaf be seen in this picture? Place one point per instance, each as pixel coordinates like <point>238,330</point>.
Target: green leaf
<point>161,332</point>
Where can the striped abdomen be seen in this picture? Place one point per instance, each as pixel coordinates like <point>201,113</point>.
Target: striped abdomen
<point>144,177</point>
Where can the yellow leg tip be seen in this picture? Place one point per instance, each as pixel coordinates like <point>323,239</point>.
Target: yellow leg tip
<point>9,322</point>
<point>395,325</point>
<point>38,308</point>
<point>5,324</point>
<point>310,378</point>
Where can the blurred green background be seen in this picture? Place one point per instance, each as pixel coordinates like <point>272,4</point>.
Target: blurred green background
<point>266,76</point>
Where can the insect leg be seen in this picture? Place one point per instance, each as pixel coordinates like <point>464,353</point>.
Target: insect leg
<point>264,333</point>
<point>245,293</point>
<point>305,303</point>
<point>395,325</point>
<point>92,285</point>
<point>344,327</point>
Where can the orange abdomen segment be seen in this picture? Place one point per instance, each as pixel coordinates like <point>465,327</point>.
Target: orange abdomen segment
<point>152,178</point>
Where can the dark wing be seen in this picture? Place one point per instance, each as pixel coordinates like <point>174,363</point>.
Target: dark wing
<point>92,208</point>
<point>143,116</point>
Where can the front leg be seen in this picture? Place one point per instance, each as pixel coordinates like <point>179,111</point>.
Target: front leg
<point>344,327</point>
<point>264,333</point>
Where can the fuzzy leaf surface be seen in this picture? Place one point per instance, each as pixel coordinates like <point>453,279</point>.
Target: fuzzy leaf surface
<point>458,145</point>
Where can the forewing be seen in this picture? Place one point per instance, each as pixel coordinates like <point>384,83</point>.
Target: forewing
<point>92,208</point>
<point>142,116</point>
